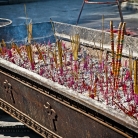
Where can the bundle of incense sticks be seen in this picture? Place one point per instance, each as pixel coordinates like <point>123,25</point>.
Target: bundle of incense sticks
<point>117,50</point>
<point>3,47</point>
<point>29,30</point>
<point>120,49</point>
<point>59,44</point>
<point>112,45</point>
<point>75,43</point>
<point>17,49</point>
<point>28,26</point>
<point>30,55</point>
<point>1,50</point>
<point>121,33</point>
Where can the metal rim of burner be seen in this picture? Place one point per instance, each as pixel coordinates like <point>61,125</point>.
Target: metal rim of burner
<point>5,22</point>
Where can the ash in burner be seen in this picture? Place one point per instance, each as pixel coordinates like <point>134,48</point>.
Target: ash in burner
<point>87,71</point>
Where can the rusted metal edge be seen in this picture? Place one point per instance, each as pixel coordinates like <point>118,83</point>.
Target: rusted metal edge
<point>32,124</point>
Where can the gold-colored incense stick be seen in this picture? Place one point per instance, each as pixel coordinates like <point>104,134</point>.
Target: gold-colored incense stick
<point>1,51</point>
<point>59,44</point>
<point>29,53</point>
<point>28,26</point>
<point>136,76</point>
<point>40,54</point>
<point>121,47</point>
<point>76,50</point>
<point>3,44</point>
<point>75,43</point>
<point>29,29</point>
<point>112,45</point>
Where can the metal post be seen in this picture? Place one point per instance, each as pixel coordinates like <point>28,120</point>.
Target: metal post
<point>119,9</point>
<point>80,12</point>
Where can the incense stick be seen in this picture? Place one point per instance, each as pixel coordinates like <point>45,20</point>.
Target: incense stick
<point>17,49</point>
<point>136,76</point>
<point>59,44</point>
<point>112,45</point>
<point>40,54</point>
<point>117,51</point>
<point>28,26</point>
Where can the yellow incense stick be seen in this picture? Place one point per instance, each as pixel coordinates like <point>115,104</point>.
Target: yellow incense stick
<point>28,26</point>
<point>3,43</point>
<point>29,29</point>
<point>59,43</point>
<point>121,48</point>
<point>112,45</point>
<point>40,54</point>
<point>1,49</point>
<point>29,53</point>
<point>77,41</point>
<point>136,76</point>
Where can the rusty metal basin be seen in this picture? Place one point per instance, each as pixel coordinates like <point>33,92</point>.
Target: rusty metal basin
<point>52,110</point>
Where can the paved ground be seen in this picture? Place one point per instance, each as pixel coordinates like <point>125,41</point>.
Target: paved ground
<point>67,11</point>
<point>6,120</point>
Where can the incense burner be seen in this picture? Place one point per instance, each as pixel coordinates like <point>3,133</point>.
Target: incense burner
<point>37,97</point>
